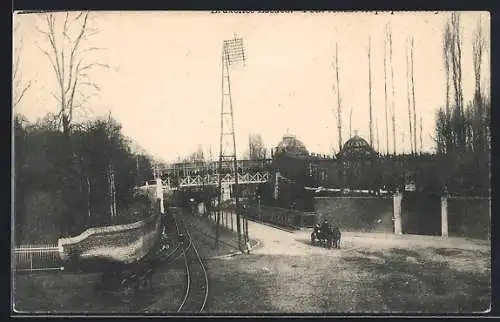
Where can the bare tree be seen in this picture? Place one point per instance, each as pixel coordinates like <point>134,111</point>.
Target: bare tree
<point>393,110</point>
<point>18,88</point>
<point>196,156</point>
<point>339,110</point>
<point>67,45</point>
<point>447,140</point>
<point>370,89</point>
<point>199,155</point>
<point>350,122</point>
<point>456,67</point>
<point>68,41</point>
<point>413,98</point>
<point>455,122</point>
<point>408,96</point>
<point>477,57</point>
<point>440,130</point>
<point>111,172</point>
<point>403,142</point>
<point>256,148</point>
<point>421,126</point>
<point>385,95</point>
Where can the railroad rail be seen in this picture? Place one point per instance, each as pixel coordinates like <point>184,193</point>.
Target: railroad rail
<point>196,294</point>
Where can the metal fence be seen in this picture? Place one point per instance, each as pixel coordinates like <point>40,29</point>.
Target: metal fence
<point>30,258</point>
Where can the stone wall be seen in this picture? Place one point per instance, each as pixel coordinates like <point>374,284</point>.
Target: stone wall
<point>469,217</point>
<point>366,214</point>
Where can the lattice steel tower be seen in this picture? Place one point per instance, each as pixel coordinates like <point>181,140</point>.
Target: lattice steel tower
<point>233,53</point>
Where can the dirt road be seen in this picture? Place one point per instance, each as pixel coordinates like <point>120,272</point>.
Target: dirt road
<point>279,242</point>
<point>372,272</point>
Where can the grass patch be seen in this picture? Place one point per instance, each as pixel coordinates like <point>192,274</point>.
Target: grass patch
<point>408,281</point>
<point>396,281</point>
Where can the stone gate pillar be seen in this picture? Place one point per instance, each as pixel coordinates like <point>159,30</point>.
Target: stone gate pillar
<point>397,198</point>
<point>444,216</point>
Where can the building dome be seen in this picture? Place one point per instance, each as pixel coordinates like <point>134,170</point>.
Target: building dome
<point>290,144</point>
<point>357,147</point>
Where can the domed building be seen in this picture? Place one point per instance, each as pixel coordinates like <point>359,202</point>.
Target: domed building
<point>290,163</point>
<point>355,166</point>
<point>358,159</point>
<point>357,148</point>
<point>290,158</point>
<point>292,146</point>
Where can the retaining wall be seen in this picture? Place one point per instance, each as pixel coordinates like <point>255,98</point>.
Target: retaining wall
<point>120,243</point>
<point>290,218</point>
<point>366,214</point>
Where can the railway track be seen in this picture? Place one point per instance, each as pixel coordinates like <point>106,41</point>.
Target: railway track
<point>184,258</point>
<point>196,293</point>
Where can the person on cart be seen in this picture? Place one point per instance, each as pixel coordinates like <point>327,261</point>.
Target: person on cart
<point>325,227</point>
<point>315,233</point>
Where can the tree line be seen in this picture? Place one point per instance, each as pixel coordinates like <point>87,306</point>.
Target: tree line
<point>66,183</point>
<point>462,131</point>
<point>256,151</point>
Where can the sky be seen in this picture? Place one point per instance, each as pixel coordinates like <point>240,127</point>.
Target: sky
<point>164,84</point>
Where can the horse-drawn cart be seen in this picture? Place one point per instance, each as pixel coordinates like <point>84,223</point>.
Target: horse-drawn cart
<point>326,236</point>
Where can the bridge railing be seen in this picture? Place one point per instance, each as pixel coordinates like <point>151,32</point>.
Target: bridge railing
<point>244,178</point>
<point>208,180</point>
